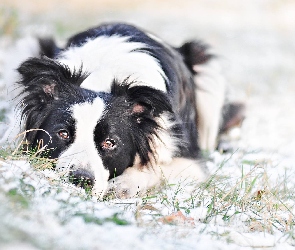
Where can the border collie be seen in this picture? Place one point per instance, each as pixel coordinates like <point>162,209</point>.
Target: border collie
<point>120,109</point>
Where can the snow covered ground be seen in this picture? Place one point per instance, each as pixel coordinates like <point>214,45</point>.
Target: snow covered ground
<point>249,202</point>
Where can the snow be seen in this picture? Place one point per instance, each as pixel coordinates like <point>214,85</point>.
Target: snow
<point>38,210</point>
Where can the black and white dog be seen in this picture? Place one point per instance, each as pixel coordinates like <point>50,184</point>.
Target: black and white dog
<point>120,109</point>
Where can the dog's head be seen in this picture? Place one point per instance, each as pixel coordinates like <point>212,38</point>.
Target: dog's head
<point>94,136</point>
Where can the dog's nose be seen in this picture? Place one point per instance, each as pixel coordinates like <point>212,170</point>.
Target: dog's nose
<point>82,178</point>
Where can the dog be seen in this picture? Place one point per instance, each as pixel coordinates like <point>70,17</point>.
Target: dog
<point>120,109</point>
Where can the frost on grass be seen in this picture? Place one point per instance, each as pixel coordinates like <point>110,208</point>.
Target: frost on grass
<point>37,207</point>
<point>248,197</point>
<point>247,201</point>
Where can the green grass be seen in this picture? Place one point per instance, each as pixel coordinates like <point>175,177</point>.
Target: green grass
<point>32,156</point>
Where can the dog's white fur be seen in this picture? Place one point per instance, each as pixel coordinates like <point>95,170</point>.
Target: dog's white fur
<point>135,181</point>
<point>106,58</point>
<point>210,96</point>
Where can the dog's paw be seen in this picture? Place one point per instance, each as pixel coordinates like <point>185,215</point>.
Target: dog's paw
<point>121,188</point>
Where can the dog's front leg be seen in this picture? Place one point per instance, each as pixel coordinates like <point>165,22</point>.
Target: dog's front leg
<point>136,180</point>
<point>133,182</point>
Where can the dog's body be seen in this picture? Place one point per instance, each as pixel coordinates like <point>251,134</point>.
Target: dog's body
<point>118,102</point>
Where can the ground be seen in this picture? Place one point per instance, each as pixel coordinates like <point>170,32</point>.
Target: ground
<point>249,199</point>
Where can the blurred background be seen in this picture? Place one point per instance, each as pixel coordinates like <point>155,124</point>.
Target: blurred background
<point>255,40</point>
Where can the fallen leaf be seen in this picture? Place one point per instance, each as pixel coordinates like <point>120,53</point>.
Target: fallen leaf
<point>177,219</point>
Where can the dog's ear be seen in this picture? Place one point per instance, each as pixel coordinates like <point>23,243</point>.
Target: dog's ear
<point>45,79</point>
<point>145,100</point>
<point>148,100</point>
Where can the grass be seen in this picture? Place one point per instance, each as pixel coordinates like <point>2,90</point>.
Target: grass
<point>251,200</point>
<point>30,200</point>
<point>12,153</point>
<point>115,218</point>
<point>2,114</point>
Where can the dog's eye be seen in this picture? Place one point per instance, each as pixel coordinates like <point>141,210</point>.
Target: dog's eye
<point>108,144</point>
<point>63,134</point>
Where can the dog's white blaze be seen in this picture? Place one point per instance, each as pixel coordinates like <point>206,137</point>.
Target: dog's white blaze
<point>82,152</point>
<point>106,58</point>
